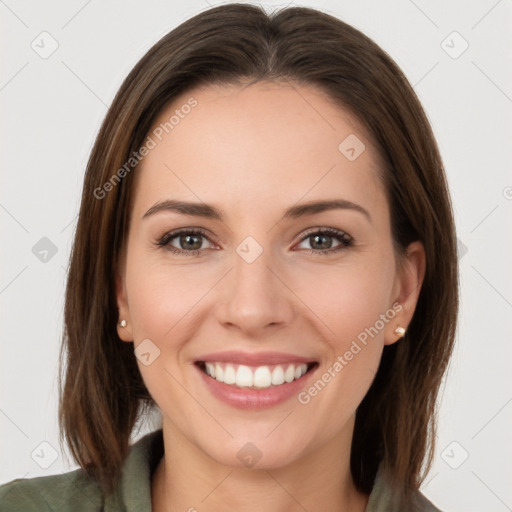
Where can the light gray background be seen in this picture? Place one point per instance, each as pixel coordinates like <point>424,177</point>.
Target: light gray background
<point>52,109</point>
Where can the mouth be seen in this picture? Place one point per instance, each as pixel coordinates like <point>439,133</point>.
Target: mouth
<point>254,381</point>
<point>262,377</point>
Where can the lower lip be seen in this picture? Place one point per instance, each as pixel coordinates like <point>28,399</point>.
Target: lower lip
<point>246,398</point>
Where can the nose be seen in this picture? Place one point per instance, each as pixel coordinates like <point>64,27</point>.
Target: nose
<point>255,297</point>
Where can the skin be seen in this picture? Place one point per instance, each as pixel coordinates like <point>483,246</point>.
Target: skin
<point>253,152</point>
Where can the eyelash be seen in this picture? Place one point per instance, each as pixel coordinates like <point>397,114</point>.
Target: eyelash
<point>345,239</point>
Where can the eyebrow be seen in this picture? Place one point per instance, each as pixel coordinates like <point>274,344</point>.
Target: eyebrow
<point>294,212</point>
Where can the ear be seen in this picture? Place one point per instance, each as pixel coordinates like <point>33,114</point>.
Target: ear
<point>407,289</point>
<point>125,333</point>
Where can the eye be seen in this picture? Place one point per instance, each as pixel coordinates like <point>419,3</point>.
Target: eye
<point>321,239</point>
<point>190,240</point>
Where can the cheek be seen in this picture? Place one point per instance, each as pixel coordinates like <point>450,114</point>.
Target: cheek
<point>351,304</point>
<point>347,299</point>
<point>160,296</point>
<point>162,301</point>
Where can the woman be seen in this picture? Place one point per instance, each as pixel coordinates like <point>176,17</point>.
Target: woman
<point>266,253</point>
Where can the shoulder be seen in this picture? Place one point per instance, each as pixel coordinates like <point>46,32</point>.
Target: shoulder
<point>68,491</point>
<point>75,491</point>
<point>425,505</point>
<point>383,498</point>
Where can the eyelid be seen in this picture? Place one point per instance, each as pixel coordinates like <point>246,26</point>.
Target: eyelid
<point>168,236</point>
<point>325,229</point>
<point>345,240</point>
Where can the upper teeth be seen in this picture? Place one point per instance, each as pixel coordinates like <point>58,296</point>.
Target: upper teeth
<point>260,377</point>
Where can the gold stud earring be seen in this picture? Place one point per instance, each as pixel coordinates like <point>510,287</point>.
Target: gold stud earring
<point>122,323</point>
<point>400,331</point>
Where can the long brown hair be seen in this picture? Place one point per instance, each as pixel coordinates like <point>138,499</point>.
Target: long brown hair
<point>103,393</point>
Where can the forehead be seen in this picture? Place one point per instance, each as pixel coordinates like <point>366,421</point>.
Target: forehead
<point>263,141</point>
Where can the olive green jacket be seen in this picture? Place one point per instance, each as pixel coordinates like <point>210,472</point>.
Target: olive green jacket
<point>75,492</point>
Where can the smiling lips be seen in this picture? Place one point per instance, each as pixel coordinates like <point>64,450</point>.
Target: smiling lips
<point>255,381</point>
<point>255,371</point>
<point>257,377</point>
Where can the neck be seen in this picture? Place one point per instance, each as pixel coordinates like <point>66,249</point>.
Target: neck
<point>188,480</point>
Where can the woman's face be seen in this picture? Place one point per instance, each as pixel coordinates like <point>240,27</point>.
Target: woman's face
<point>260,289</point>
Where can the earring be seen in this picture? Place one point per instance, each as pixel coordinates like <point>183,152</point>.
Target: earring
<point>400,331</point>
<point>122,323</point>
